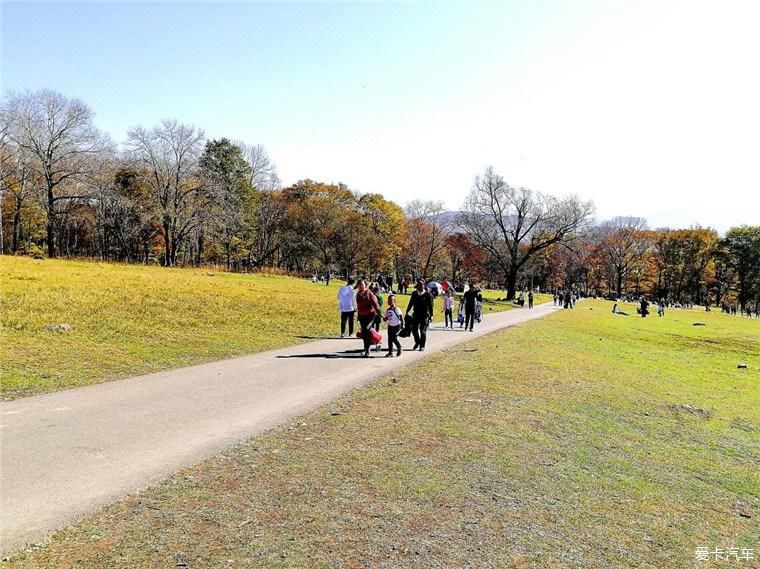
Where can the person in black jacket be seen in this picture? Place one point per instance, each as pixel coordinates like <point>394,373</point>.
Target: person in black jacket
<point>421,306</point>
<point>470,297</point>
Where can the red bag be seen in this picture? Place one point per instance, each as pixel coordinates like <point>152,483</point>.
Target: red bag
<point>374,336</point>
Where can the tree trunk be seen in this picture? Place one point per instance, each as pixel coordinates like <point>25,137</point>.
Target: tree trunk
<point>619,274</point>
<point>167,243</point>
<point>2,234</point>
<point>512,281</point>
<point>51,229</point>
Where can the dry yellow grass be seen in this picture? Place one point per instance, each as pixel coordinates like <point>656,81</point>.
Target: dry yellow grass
<point>128,320</point>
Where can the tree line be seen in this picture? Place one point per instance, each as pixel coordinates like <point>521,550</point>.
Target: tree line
<point>170,196</point>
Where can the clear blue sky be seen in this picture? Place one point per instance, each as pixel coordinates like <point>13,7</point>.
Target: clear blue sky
<point>646,108</point>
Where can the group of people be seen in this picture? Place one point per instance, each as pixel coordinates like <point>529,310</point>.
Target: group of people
<point>566,299</point>
<point>521,299</point>
<point>325,278</point>
<point>365,302</point>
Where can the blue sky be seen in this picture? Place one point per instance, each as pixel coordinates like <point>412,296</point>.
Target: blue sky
<point>646,108</point>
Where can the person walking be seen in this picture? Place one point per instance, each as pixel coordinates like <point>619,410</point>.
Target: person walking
<point>470,299</point>
<point>347,307</point>
<point>448,308</point>
<point>644,307</point>
<point>530,299</point>
<point>421,306</point>
<point>395,320</point>
<point>379,316</point>
<point>367,308</point>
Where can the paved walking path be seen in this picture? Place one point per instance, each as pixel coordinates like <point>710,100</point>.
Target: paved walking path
<point>66,454</point>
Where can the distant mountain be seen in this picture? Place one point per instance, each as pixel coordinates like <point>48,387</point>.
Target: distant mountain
<point>449,220</point>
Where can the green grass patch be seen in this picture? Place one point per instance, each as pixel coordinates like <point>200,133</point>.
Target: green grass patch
<point>582,439</point>
<point>128,320</point>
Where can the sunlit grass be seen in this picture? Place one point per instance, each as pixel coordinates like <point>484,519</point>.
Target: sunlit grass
<point>128,319</point>
<point>583,439</point>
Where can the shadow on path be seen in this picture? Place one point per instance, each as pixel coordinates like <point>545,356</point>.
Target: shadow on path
<point>346,354</point>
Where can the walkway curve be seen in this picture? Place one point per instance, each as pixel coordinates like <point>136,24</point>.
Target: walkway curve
<point>64,455</point>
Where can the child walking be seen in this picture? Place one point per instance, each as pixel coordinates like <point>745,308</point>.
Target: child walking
<point>448,308</point>
<point>395,319</point>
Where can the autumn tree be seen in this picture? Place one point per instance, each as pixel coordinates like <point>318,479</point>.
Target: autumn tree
<point>465,257</point>
<point>16,186</point>
<point>427,230</point>
<point>623,244</point>
<point>683,260</point>
<point>386,230</point>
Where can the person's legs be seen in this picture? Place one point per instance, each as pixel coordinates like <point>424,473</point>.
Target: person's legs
<point>448,318</point>
<point>469,319</point>
<point>415,332</point>
<point>351,323</point>
<point>365,323</point>
<point>393,339</point>
<point>423,334</point>
<point>343,322</point>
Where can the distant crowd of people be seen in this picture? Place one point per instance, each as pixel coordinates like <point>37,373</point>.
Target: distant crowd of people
<point>734,309</point>
<point>644,304</point>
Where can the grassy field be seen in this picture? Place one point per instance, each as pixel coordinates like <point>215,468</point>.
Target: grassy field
<point>128,320</point>
<point>583,439</point>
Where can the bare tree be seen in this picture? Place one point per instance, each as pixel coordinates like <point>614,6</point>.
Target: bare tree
<point>167,158</point>
<point>513,224</point>
<point>263,174</point>
<point>61,141</point>
<point>5,166</point>
<point>267,237</point>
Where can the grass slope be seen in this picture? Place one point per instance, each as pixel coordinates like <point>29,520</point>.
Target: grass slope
<point>580,440</point>
<point>129,320</point>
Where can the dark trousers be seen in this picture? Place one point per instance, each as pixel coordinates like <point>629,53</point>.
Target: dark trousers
<point>419,330</point>
<point>365,325</point>
<point>448,318</point>
<point>393,338</point>
<point>469,317</point>
<point>347,317</point>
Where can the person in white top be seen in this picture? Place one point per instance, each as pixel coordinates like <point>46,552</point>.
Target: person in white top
<point>395,319</point>
<point>347,307</point>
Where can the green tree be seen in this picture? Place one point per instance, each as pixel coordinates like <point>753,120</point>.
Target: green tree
<point>741,250</point>
<point>228,193</point>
